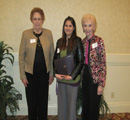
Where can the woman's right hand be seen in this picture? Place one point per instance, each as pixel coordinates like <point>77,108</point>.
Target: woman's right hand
<point>25,82</point>
<point>58,76</point>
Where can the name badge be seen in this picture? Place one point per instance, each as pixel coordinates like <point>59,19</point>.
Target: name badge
<point>94,45</point>
<point>58,50</point>
<point>32,40</point>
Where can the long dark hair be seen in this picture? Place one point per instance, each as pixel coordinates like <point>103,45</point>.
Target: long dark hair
<point>73,36</point>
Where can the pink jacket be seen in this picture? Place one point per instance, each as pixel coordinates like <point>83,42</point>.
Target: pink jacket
<point>96,59</point>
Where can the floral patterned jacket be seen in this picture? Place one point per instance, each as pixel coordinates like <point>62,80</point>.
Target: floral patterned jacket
<point>96,59</point>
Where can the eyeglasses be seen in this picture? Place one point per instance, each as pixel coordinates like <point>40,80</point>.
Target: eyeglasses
<point>35,19</point>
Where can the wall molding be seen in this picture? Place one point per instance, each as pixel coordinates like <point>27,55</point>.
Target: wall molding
<point>116,107</point>
<point>112,59</point>
<point>118,59</point>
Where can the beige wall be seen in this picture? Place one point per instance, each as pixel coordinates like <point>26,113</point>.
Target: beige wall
<point>113,17</point>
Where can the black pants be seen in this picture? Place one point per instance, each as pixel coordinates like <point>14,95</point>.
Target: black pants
<point>37,96</point>
<point>91,101</point>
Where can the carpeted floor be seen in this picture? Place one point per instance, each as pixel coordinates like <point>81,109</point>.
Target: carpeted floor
<point>117,116</point>
<point>113,116</point>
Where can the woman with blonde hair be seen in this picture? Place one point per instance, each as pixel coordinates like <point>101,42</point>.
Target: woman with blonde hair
<point>94,69</point>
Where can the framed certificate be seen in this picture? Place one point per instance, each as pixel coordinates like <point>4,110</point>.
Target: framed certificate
<point>64,65</point>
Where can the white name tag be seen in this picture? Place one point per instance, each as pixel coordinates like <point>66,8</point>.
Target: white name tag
<point>58,50</point>
<point>32,40</point>
<point>94,45</point>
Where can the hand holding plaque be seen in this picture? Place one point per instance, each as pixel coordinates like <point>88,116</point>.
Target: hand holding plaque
<point>64,65</point>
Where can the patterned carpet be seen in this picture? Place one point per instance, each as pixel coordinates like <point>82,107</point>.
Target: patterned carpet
<point>113,116</point>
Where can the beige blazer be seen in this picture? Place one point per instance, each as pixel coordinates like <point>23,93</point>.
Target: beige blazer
<point>27,51</point>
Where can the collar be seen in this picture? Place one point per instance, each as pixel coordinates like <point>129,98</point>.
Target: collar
<point>89,40</point>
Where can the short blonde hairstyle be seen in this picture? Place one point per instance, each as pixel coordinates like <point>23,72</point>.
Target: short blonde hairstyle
<point>90,17</point>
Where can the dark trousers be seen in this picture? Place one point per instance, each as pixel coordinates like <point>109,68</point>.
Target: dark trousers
<point>91,101</point>
<point>37,96</point>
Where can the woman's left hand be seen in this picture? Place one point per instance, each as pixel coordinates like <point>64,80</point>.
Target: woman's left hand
<point>68,77</point>
<point>51,78</point>
<point>99,90</point>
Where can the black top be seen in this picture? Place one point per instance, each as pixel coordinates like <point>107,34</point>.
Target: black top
<point>39,60</point>
<point>78,55</point>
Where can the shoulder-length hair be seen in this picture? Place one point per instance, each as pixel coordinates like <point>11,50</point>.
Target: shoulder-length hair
<point>73,36</point>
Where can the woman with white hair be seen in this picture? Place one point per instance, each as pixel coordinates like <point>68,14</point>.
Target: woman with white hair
<point>94,69</point>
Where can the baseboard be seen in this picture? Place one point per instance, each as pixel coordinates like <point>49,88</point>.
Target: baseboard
<point>119,107</point>
<point>52,110</point>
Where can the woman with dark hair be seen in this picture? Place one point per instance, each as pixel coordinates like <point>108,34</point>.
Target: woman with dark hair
<point>69,44</point>
<point>35,62</point>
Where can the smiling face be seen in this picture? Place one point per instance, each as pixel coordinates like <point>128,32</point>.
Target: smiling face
<point>68,28</point>
<point>37,21</point>
<point>88,28</point>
